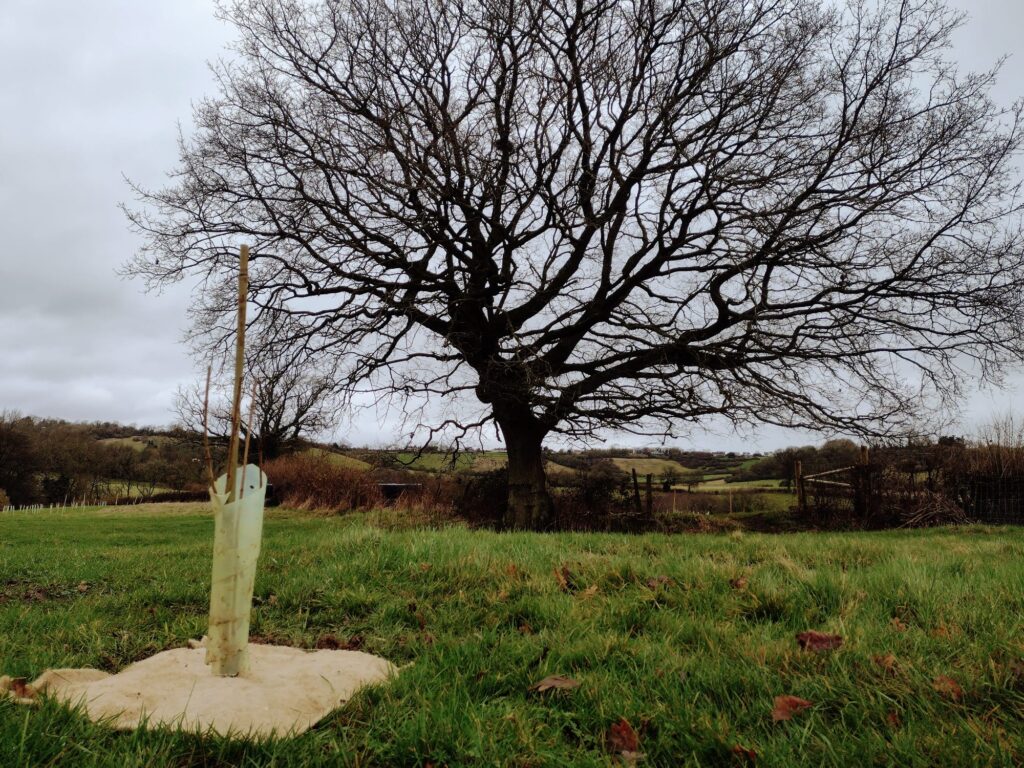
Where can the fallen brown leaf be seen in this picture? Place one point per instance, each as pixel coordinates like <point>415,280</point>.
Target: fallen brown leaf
<point>622,738</point>
<point>525,628</point>
<point>818,641</point>
<point>948,687</point>
<point>327,643</point>
<point>589,591</point>
<point>740,582</point>
<point>21,689</point>
<point>272,600</point>
<point>564,578</point>
<point>787,706</point>
<point>892,717</point>
<point>745,754</point>
<point>331,642</point>
<point>886,662</point>
<point>83,587</point>
<point>424,567</point>
<point>511,569</point>
<point>897,624</point>
<point>555,682</point>
<point>659,581</point>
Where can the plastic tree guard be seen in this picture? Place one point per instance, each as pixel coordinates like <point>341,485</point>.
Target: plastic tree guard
<point>238,529</point>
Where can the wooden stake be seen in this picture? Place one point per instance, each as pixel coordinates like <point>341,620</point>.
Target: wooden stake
<point>798,482</point>
<point>636,493</point>
<point>236,407</point>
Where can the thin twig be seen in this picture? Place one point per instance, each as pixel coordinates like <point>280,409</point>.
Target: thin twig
<point>236,408</point>
<point>206,427</point>
<point>248,433</point>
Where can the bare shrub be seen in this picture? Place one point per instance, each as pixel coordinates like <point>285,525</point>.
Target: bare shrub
<point>309,481</point>
<point>999,450</point>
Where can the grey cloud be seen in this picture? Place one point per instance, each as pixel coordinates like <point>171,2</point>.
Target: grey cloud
<point>93,90</point>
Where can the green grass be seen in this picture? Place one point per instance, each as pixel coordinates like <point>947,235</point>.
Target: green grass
<point>720,484</point>
<point>340,459</point>
<point>436,461</point>
<point>691,662</point>
<point>649,466</point>
<point>477,461</point>
<point>136,442</point>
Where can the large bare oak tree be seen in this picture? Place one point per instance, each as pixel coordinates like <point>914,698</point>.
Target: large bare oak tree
<point>596,214</point>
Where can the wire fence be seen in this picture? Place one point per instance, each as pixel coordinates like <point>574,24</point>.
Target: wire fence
<point>906,487</point>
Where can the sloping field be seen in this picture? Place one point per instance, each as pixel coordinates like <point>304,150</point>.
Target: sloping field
<point>652,466</point>
<point>138,442</point>
<point>688,640</point>
<point>340,459</point>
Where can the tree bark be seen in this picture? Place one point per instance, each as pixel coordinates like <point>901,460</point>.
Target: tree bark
<point>529,504</point>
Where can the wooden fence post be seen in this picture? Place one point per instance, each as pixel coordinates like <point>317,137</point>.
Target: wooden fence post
<point>649,494</point>
<point>798,481</point>
<point>636,493</point>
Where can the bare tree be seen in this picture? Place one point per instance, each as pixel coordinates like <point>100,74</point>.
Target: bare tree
<point>292,397</point>
<point>609,213</point>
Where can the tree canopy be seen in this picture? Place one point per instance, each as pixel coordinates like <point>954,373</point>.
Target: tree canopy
<point>609,213</point>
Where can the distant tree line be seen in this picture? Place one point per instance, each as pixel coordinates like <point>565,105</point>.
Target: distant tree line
<point>48,461</point>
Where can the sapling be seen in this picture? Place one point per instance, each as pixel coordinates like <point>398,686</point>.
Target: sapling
<point>237,497</point>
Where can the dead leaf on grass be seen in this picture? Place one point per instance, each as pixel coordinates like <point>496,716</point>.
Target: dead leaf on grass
<point>740,582</point>
<point>659,581</point>
<point>83,587</point>
<point>786,706</point>
<point>892,717</point>
<point>622,738</point>
<point>565,579</point>
<point>818,641</point>
<point>589,591</point>
<point>18,689</point>
<point>897,624</point>
<point>948,687</point>
<point>555,682</point>
<point>331,642</point>
<point>745,754</point>
<point>886,662</point>
<point>424,567</point>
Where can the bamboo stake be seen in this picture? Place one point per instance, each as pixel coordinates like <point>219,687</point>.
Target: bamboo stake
<point>236,407</point>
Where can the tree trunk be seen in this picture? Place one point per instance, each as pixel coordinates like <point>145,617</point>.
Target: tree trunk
<point>529,503</point>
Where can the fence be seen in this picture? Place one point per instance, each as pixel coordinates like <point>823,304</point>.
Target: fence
<point>909,487</point>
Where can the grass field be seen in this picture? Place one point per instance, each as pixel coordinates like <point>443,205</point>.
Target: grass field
<point>654,467</point>
<point>650,626</point>
<point>434,461</point>
<point>340,459</point>
<point>719,484</point>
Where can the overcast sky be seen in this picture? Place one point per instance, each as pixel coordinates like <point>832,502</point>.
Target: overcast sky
<point>94,91</point>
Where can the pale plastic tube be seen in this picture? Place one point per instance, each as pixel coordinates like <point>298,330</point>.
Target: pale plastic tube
<point>238,530</point>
